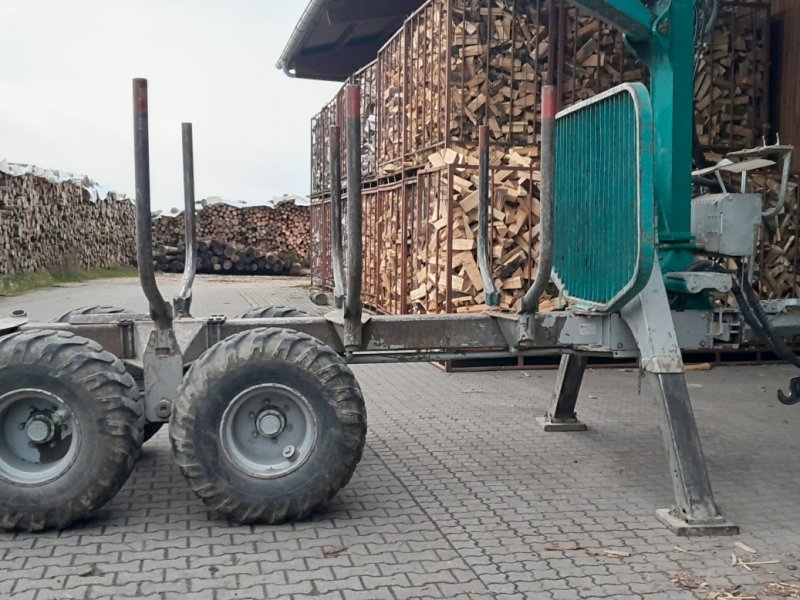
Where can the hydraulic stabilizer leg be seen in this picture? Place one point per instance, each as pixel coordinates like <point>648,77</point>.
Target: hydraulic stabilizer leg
<point>561,412</point>
<point>695,512</point>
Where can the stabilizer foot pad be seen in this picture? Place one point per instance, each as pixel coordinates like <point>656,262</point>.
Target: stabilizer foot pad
<point>548,424</point>
<point>683,528</point>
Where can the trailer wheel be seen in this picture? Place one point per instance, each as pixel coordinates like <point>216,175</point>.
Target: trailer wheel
<point>274,312</point>
<point>70,429</point>
<point>268,426</point>
<point>91,310</point>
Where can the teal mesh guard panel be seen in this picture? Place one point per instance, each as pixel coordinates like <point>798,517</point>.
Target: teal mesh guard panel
<point>603,216</point>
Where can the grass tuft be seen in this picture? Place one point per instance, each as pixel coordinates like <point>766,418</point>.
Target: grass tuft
<point>19,283</point>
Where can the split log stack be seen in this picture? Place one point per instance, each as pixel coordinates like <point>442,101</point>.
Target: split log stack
<point>778,256</point>
<point>59,227</point>
<point>732,78</point>
<point>458,64</point>
<point>255,239</point>
<point>333,114</point>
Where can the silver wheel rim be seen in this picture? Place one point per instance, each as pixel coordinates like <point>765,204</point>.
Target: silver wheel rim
<point>39,436</point>
<point>268,430</point>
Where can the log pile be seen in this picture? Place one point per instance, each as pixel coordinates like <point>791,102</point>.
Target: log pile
<point>332,114</point>
<point>283,230</point>
<point>595,58</point>
<point>229,259</point>
<point>391,71</point>
<point>490,74</point>
<point>445,274</point>
<point>320,260</point>
<point>732,78</point>
<point>60,227</point>
<point>778,256</point>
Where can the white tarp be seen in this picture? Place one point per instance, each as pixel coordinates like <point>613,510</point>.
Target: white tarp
<point>96,191</point>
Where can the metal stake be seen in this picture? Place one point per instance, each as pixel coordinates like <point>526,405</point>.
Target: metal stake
<point>337,255</point>
<point>490,291</point>
<point>530,303</point>
<point>353,306</point>
<point>159,309</point>
<point>183,302</point>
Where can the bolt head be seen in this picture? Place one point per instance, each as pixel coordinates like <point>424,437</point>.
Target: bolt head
<point>164,409</point>
<point>288,452</point>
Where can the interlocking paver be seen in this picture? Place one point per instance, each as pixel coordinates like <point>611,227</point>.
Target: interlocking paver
<point>458,494</point>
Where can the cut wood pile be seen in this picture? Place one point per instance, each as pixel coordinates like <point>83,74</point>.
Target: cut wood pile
<point>321,266</point>
<point>444,262</point>
<point>778,256</point>
<point>256,239</point>
<point>61,226</point>
<point>732,78</point>
<point>334,114</point>
<point>231,259</point>
<point>459,64</point>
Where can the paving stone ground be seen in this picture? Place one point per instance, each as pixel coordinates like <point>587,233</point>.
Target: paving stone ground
<point>459,494</point>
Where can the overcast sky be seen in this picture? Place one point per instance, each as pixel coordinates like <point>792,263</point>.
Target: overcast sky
<point>65,92</point>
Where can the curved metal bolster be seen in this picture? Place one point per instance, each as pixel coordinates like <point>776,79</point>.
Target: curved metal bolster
<point>530,303</point>
<point>489,290</point>
<point>159,309</point>
<point>183,302</point>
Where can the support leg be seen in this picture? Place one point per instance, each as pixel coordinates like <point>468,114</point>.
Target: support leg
<point>561,412</point>
<point>695,512</point>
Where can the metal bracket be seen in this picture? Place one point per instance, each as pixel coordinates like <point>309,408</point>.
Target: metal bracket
<point>11,324</point>
<point>163,374</point>
<point>691,282</point>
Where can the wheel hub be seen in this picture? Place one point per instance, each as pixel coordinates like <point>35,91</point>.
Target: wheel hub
<point>270,423</point>
<point>268,430</point>
<point>39,436</point>
<point>40,429</point>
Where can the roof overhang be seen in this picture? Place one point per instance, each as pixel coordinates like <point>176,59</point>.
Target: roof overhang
<point>335,38</point>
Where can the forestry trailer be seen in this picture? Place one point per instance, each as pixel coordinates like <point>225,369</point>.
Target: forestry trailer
<point>267,421</point>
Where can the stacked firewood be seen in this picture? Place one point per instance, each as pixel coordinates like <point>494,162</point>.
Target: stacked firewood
<point>731,82</point>
<point>491,73</point>
<point>595,58</point>
<point>320,260</point>
<point>223,258</point>
<point>778,256</point>
<point>366,79</point>
<point>334,113</point>
<point>280,230</point>
<point>61,227</point>
<point>445,272</point>
<point>391,70</point>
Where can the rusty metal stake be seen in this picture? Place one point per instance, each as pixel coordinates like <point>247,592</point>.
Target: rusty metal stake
<point>530,303</point>
<point>353,305</point>
<point>160,311</point>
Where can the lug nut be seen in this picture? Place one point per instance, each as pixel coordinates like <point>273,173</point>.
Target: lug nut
<point>288,452</point>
